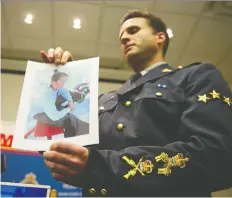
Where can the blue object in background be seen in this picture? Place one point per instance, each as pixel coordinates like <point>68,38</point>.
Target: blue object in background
<point>19,164</point>
<point>22,191</point>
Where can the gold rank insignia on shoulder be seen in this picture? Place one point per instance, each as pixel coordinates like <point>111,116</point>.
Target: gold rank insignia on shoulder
<point>227,100</point>
<point>169,162</point>
<point>141,167</point>
<point>166,70</point>
<point>214,95</point>
<point>203,98</point>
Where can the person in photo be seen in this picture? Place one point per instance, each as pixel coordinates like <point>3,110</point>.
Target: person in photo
<point>53,118</point>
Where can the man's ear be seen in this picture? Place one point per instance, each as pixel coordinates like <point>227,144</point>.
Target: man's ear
<point>161,37</point>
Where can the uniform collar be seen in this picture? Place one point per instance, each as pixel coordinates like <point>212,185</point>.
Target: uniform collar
<point>151,67</point>
<point>153,74</point>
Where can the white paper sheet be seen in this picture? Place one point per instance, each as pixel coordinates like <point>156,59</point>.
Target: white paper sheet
<point>37,98</point>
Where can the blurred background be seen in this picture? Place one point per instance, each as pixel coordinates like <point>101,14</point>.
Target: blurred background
<point>199,31</point>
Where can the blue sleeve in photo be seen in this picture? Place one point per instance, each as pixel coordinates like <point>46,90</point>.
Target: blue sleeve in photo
<point>65,93</point>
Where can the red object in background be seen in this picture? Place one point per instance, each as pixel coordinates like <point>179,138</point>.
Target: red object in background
<point>45,130</point>
<point>6,140</point>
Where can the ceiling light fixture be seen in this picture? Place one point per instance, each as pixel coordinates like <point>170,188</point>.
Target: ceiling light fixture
<point>169,32</point>
<point>29,19</point>
<point>77,23</point>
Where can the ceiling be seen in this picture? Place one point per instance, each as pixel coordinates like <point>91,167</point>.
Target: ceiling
<point>202,30</point>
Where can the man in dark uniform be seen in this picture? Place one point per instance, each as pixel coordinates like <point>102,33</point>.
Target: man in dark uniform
<point>166,132</point>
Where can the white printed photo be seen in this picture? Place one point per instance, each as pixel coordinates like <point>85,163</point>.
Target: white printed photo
<point>58,103</point>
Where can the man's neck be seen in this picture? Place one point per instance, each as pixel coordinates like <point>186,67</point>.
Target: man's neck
<point>140,65</point>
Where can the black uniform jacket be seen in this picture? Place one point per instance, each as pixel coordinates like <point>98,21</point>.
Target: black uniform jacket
<point>167,134</point>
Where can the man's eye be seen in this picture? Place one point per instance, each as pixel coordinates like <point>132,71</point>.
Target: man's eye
<point>133,30</point>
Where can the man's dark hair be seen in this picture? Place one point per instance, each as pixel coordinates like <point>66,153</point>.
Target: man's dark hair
<point>155,22</point>
<point>57,75</point>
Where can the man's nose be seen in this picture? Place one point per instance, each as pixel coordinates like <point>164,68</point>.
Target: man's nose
<point>125,38</point>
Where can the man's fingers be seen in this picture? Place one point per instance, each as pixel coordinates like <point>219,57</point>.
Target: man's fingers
<point>69,160</point>
<point>67,56</point>
<point>50,55</point>
<point>44,56</point>
<point>57,56</point>
<point>68,148</point>
<point>58,53</point>
<point>61,169</point>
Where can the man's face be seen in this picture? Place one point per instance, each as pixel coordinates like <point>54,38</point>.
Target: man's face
<point>60,82</point>
<point>137,38</point>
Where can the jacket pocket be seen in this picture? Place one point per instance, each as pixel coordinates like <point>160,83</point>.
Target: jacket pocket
<point>151,91</point>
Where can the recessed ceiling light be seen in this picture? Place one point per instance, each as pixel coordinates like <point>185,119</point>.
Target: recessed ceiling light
<point>29,19</point>
<point>77,23</point>
<point>170,34</point>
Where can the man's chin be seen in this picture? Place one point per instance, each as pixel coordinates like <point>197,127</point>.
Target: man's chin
<point>130,56</point>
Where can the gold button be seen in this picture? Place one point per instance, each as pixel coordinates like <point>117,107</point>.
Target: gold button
<point>128,103</point>
<point>92,191</point>
<point>159,94</point>
<point>120,126</point>
<point>103,192</point>
<point>101,108</point>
